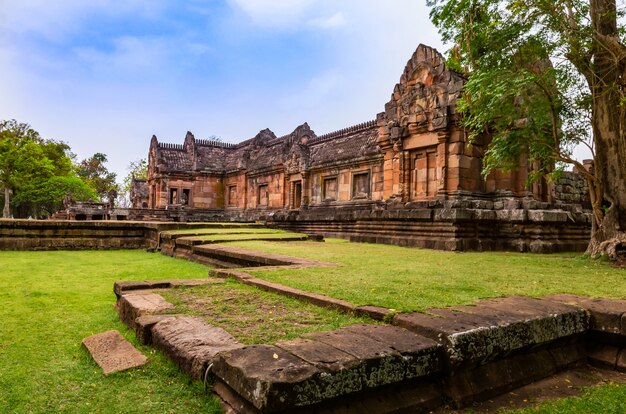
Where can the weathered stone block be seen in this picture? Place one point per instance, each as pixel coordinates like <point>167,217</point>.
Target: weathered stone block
<point>132,305</point>
<point>270,378</point>
<point>547,216</point>
<point>606,315</point>
<point>473,335</point>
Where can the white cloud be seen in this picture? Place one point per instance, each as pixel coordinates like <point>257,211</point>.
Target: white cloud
<point>278,13</point>
<point>129,54</point>
<point>332,22</point>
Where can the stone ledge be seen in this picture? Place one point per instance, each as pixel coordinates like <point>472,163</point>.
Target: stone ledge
<point>606,315</point>
<point>191,343</point>
<point>120,288</point>
<point>326,365</point>
<point>492,329</point>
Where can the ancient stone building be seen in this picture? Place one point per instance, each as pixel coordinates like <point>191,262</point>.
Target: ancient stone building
<point>413,159</point>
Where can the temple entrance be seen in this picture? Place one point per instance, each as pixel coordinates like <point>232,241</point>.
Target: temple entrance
<point>297,194</point>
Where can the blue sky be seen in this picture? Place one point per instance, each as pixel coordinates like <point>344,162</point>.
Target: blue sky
<point>105,75</point>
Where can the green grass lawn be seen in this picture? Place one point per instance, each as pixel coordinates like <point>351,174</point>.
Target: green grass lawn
<point>50,302</point>
<point>254,316</point>
<point>409,279</point>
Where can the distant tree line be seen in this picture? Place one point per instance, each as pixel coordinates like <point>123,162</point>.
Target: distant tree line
<point>38,176</point>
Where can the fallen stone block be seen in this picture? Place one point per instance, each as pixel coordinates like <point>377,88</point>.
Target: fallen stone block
<point>112,352</point>
<point>133,305</point>
<point>191,342</point>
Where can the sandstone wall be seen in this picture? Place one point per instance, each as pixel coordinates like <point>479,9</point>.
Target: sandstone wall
<point>571,188</point>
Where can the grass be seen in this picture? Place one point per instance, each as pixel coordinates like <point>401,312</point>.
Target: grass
<point>606,399</point>
<point>50,302</point>
<point>409,279</point>
<point>254,316</point>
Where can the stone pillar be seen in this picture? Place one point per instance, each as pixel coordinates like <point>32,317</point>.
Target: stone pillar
<point>290,196</point>
<point>305,189</point>
<point>405,175</point>
<point>442,165</point>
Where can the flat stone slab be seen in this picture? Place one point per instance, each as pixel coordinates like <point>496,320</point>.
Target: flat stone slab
<point>326,365</point>
<point>112,352</point>
<point>191,342</point>
<point>474,335</point>
<point>121,288</point>
<point>133,305</point>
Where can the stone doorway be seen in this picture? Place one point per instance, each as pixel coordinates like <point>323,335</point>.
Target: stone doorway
<point>297,194</point>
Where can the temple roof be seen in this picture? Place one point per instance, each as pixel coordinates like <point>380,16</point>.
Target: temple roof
<point>266,151</point>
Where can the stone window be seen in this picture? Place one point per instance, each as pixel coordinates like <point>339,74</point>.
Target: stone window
<point>232,195</point>
<point>184,199</point>
<point>263,195</point>
<point>330,188</point>
<point>361,185</point>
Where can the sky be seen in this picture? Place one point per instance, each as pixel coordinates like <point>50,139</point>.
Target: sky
<point>105,75</point>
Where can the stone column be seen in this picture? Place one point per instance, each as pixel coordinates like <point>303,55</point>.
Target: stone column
<point>290,196</point>
<point>305,189</point>
<point>442,165</point>
<point>405,174</point>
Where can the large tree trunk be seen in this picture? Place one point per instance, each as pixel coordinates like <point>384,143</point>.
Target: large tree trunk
<point>6,211</point>
<point>608,122</point>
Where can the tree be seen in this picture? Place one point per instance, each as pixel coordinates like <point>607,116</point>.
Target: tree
<point>543,110</point>
<point>136,170</point>
<point>36,174</point>
<point>93,171</point>
<point>21,158</point>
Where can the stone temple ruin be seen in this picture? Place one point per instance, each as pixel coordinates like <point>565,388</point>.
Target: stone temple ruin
<point>409,177</point>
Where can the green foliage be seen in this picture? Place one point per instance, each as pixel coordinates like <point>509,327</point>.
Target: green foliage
<point>36,174</point>
<point>51,301</point>
<point>93,171</point>
<point>136,170</point>
<point>46,196</point>
<point>522,87</point>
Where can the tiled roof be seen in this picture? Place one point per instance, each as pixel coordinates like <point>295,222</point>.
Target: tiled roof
<point>266,151</point>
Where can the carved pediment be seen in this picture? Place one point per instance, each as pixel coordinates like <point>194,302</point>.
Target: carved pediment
<point>296,150</point>
<point>426,95</point>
